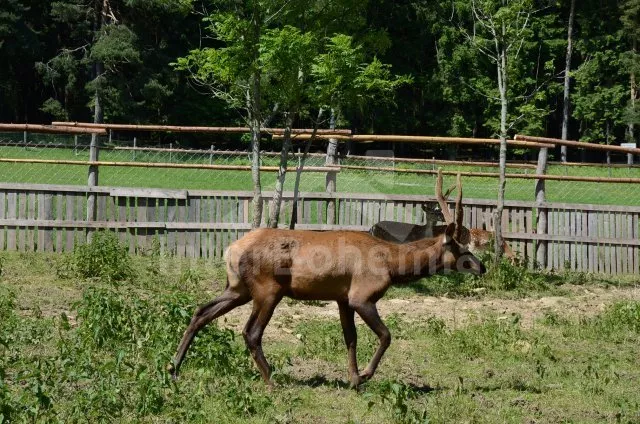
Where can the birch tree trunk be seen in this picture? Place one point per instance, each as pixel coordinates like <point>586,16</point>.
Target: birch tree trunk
<point>276,202</point>
<point>296,186</point>
<point>567,81</point>
<point>254,123</point>
<point>254,107</point>
<point>502,87</point>
<point>332,150</point>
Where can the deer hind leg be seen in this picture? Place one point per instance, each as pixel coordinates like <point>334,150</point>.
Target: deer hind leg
<point>263,308</point>
<point>206,313</point>
<point>369,315</point>
<point>350,338</point>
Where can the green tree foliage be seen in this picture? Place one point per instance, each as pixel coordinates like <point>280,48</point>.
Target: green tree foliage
<point>50,51</point>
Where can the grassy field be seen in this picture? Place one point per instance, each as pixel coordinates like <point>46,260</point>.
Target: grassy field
<point>85,343</point>
<point>348,180</point>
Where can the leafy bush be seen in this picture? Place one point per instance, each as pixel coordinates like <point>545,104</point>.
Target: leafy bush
<point>621,317</point>
<point>509,277</point>
<point>104,258</point>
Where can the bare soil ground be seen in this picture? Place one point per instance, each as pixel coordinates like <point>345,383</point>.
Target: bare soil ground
<point>583,301</point>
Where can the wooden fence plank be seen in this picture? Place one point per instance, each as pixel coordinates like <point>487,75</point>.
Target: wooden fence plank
<point>3,207</point>
<point>59,216</point>
<point>585,247</point>
<point>636,250</point>
<point>12,213</point>
<point>181,237</point>
<point>69,233</point>
<point>172,215</point>
<point>22,213</point>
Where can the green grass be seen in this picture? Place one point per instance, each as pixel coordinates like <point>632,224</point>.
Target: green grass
<point>75,349</point>
<point>347,180</point>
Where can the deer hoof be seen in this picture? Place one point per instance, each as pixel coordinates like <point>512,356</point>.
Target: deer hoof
<point>171,369</point>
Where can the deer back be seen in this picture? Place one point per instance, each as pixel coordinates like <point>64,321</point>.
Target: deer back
<point>401,232</point>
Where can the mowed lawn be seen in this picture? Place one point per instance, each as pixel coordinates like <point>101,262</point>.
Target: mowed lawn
<point>361,181</point>
<point>549,348</point>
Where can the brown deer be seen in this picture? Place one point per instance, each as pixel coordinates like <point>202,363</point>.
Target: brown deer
<point>352,268</point>
<point>402,232</point>
<point>475,239</point>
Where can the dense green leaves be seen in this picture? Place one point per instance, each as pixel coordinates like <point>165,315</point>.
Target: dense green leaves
<point>340,54</point>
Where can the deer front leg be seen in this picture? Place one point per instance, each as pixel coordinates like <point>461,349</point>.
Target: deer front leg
<point>369,313</point>
<point>350,339</point>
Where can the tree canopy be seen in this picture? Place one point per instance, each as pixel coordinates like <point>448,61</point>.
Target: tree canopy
<point>404,66</point>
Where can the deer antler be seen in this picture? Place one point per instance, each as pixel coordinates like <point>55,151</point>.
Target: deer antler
<point>448,218</point>
<point>459,213</point>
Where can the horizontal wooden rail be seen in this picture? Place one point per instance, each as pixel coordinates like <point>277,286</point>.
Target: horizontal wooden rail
<point>50,129</point>
<point>577,239</point>
<point>165,165</point>
<point>288,195</point>
<point>496,175</point>
<point>192,129</point>
<point>578,144</point>
<point>442,162</point>
<point>363,138</point>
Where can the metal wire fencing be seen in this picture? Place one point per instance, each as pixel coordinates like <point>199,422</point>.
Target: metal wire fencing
<point>63,159</point>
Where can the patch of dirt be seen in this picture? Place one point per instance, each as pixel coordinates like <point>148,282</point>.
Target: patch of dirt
<point>455,312</point>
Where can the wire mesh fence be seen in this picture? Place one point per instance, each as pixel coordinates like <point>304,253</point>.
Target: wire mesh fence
<point>63,159</point>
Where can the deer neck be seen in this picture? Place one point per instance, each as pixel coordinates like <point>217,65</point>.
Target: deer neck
<point>415,260</point>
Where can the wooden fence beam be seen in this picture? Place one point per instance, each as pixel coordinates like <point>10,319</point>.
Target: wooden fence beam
<point>496,175</point>
<point>50,129</point>
<point>578,144</point>
<point>191,129</point>
<point>362,138</point>
<point>163,165</point>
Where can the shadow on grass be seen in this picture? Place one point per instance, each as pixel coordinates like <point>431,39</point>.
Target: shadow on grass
<point>322,381</point>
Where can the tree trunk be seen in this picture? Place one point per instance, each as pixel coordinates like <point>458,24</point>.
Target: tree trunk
<point>98,118</point>
<point>332,149</point>
<point>633,92</point>
<point>254,107</point>
<point>296,186</point>
<point>254,124</point>
<point>567,72</point>
<point>276,202</point>
<point>541,224</point>
<point>502,87</point>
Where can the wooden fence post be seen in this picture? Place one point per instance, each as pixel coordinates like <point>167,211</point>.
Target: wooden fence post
<point>331,186</point>
<point>541,212</point>
<point>92,180</point>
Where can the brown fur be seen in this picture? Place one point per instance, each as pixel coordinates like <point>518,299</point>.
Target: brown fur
<point>351,268</point>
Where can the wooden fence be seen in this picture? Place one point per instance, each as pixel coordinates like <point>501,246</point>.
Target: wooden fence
<point>197,223</point>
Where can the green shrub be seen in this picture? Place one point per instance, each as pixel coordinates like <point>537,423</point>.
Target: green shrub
<point>104,258</point>
<point>619,317</point>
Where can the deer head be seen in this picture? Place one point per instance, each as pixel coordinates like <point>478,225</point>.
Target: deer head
<point>432,212</point>
<point>457,257</point>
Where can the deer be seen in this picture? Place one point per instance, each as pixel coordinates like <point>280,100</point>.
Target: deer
<point>402,232</point>
<point>475,239</point>
<point>352,268</point>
